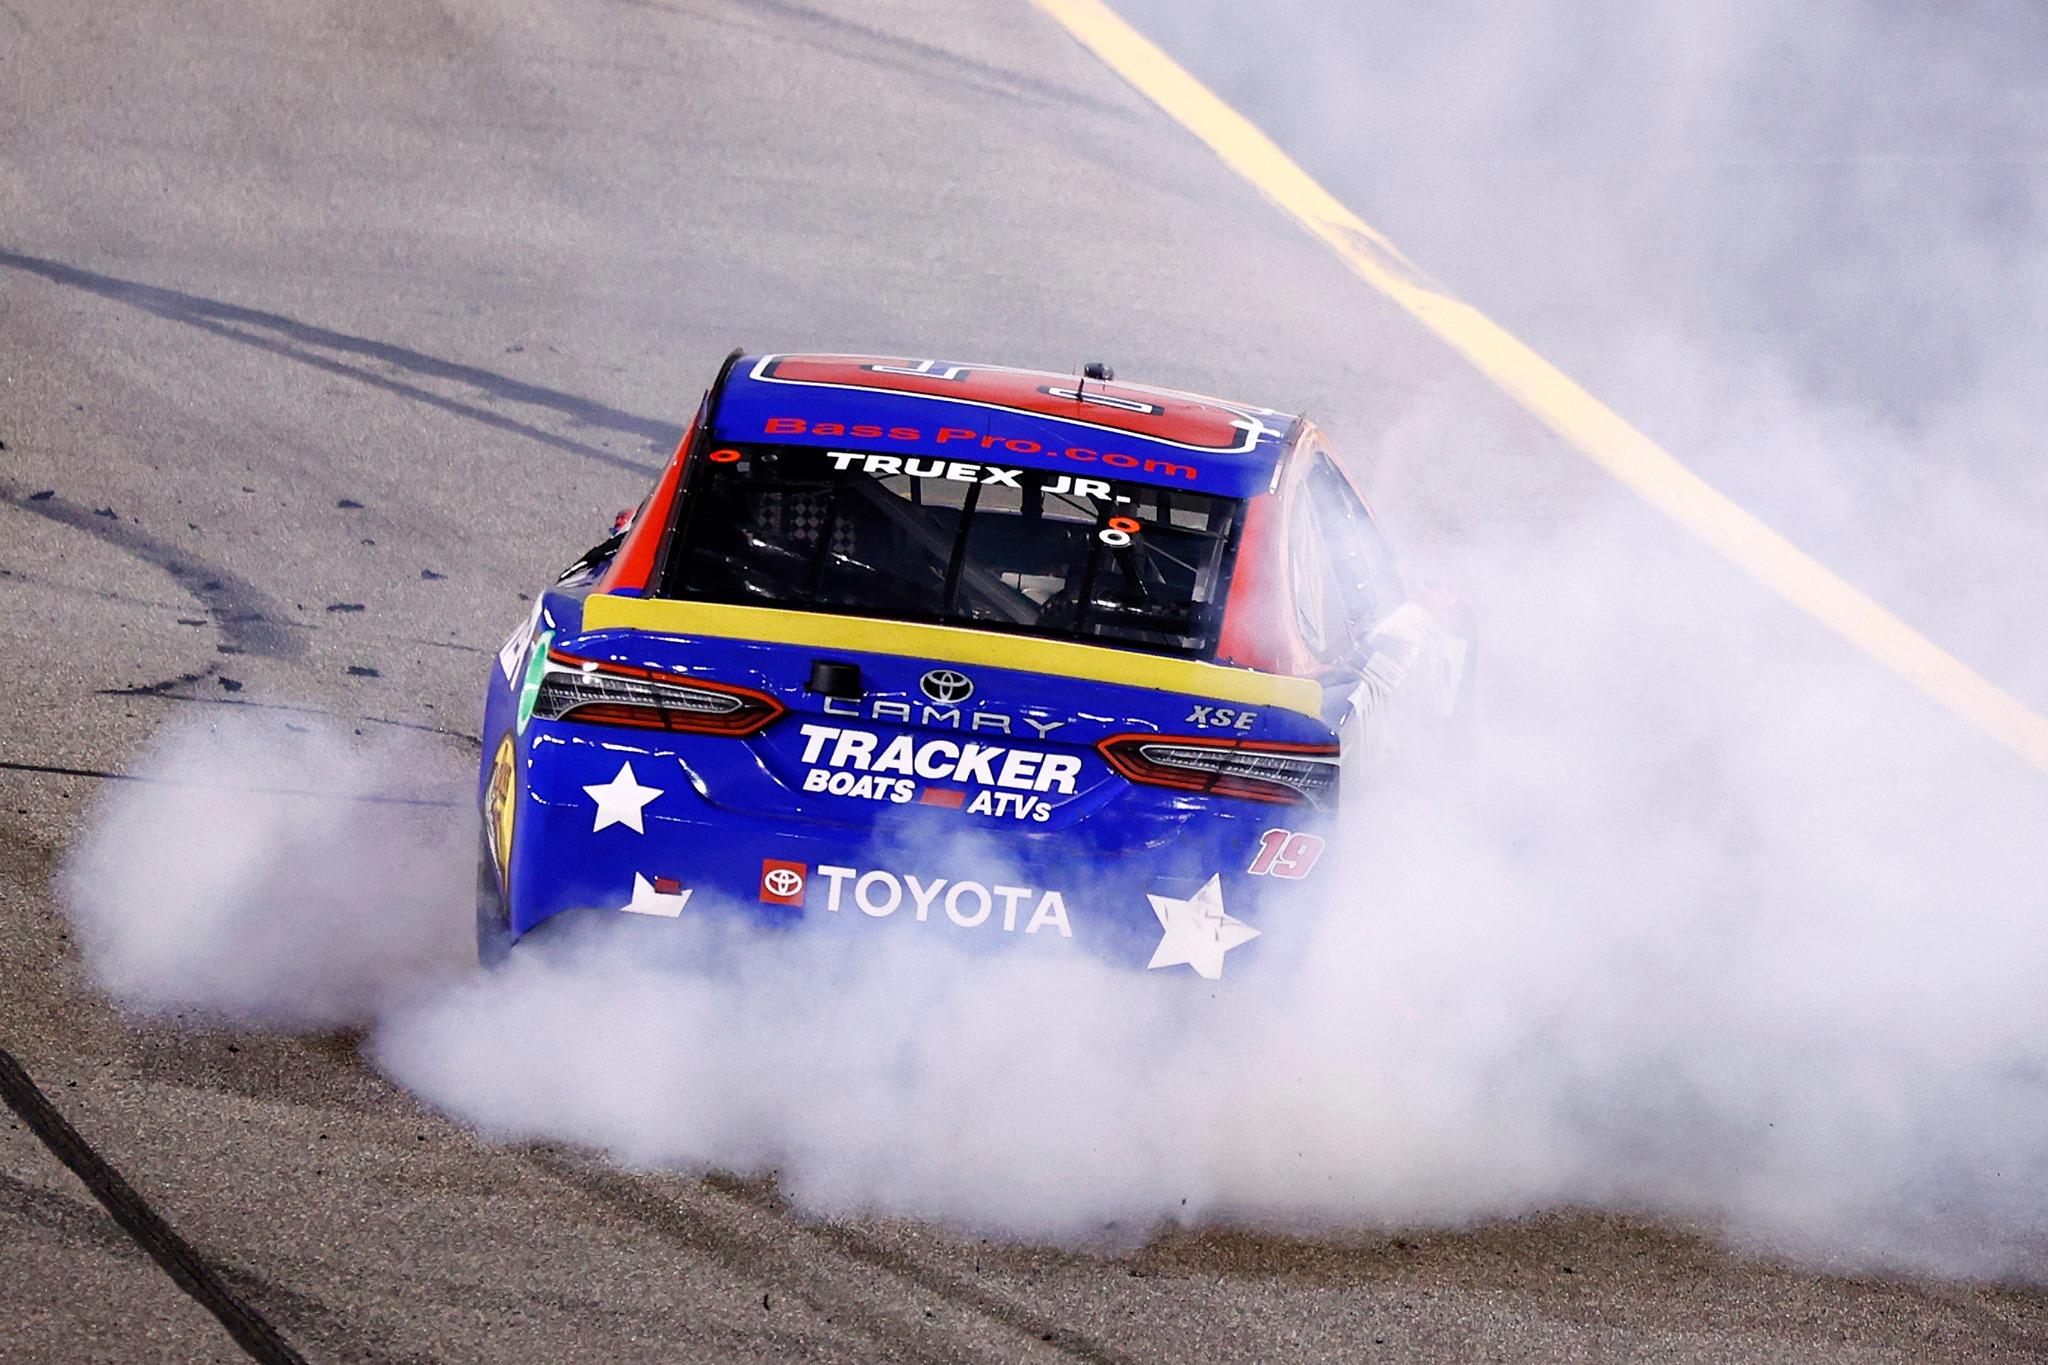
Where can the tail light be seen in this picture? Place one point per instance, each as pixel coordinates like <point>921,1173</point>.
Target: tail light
<point>1259,771</point>
<point>593,693</point>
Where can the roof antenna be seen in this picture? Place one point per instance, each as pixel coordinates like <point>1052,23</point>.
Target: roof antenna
<point>1095,370</point>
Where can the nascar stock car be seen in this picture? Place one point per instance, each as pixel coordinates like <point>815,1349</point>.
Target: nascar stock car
<point>1039,660</point>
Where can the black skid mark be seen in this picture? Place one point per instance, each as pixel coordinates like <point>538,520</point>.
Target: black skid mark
<point>247,617</point>
<point>462,737</point>
<point>312,793</point>
<point>197,1274</point>
<point>346,356</point>
<point>158,689</point>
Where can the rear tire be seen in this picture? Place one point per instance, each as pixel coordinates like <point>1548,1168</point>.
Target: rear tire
<point>493,916</point>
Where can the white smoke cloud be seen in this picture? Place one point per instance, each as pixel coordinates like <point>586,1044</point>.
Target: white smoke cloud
<point>266,874</point>
<point>1528,994</point>
<point>1802,249</point>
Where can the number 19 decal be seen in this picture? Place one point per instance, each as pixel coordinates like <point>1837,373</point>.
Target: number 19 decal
<point>1283,853</point>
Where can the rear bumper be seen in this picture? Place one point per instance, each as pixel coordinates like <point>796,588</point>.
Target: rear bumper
<point>1086,889</point>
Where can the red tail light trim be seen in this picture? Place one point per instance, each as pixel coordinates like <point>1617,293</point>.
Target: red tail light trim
<point>1256,770</point>
<point>590,692</point>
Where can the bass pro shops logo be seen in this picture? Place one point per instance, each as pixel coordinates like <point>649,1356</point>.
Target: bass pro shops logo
<point>946,686</point>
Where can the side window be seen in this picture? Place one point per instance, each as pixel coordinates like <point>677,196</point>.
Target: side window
<point>1317,600</point>
<point>1360,564</point>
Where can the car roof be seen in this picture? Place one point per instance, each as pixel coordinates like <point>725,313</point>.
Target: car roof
<point>995,414</point>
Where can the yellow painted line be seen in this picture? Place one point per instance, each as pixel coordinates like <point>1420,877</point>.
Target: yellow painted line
<point>1577,416</point>
<point>953,645</point>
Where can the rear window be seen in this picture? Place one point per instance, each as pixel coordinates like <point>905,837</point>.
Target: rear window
<point>963,543</point>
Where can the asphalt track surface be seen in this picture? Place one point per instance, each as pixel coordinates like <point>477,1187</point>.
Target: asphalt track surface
<point>301,304</point>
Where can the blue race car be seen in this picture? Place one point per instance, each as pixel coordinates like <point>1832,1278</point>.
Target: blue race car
<point>1065,664</point>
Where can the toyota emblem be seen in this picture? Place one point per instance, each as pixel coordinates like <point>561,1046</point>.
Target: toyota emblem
<point>783,881</point>
<point>946,686</point>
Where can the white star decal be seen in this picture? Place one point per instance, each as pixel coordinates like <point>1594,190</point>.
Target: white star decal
<point>647,901</point>
<point>620,801</point>
<point>1197,931</point>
